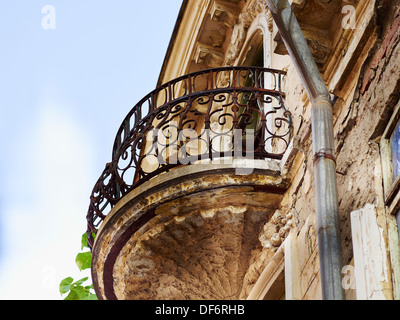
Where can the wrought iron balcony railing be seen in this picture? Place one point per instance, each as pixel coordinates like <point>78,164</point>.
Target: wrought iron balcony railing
<point>230,112</point>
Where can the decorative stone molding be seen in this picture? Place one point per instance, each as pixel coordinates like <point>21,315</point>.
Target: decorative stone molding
<point>217,37</point>
<point>270,22</point>
<point>237,40</point>
<point>239,31</point>
<point>319,50</point>
<point>208,55</point>
<point>316,18</point>
<point>298,3</point>
<point>276,230</point>
<point>225,12</point>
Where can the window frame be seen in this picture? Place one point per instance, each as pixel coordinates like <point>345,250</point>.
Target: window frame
<point>391,188</point>
<point>391,197</point>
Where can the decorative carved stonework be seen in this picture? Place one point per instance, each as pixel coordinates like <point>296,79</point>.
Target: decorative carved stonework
<point>276,230</point>
<point>299,3</point>
<point>318,50</point>
<point>270,22</point>
<point>225,12</point>
<point>217,37</point>
<point>316,18</point>
<point>208,55</point>
<point>237,40</point>
<point>240,29</point>
<point>227,20</point>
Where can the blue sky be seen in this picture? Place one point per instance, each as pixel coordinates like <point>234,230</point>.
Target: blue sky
<point>63,95</point>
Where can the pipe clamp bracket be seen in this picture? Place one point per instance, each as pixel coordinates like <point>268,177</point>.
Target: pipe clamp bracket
<point>325,155</point>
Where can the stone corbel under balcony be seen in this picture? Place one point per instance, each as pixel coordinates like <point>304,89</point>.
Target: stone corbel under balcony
<point>225,12</point>
<point>208,55</point>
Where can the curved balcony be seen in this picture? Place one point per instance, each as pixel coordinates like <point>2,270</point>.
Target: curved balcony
<point>229,113</point>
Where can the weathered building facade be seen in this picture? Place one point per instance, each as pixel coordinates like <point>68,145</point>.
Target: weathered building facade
<point>210,193</point>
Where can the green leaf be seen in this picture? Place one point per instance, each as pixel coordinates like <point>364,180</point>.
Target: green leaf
<point>89,287</point>
<point>72,296</point>
<point>83,260</point>
<point>80,281</point>
<point>77,293</point>
<point>89,296</point>
<point>84,243</point>
<point>92,296</point>
<point>76,290</point>
<point>65,285</point>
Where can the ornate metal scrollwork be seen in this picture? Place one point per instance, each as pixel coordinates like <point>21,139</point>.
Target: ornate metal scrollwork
<point>230,111</point>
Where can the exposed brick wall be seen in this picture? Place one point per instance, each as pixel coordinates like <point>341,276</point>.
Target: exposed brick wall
<point>383,54</point>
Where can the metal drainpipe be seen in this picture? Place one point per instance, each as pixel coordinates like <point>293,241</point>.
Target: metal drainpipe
<point>326,203</point>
